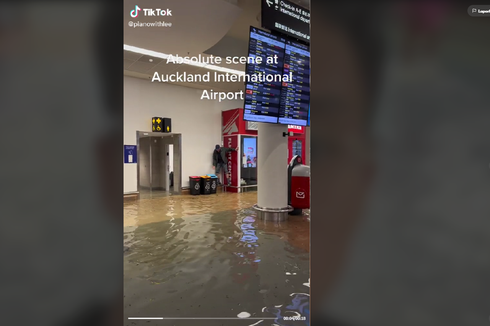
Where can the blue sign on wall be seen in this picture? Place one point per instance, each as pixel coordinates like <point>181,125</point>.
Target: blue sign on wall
<point>130,154</point>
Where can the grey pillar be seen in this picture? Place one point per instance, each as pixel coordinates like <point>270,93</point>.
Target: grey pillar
<point>272,196</point>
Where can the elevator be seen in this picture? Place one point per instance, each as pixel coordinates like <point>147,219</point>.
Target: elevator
<point>159,163</point>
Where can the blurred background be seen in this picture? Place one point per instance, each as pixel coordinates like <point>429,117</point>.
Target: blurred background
<point>401,181</point>
<point>60,172</point>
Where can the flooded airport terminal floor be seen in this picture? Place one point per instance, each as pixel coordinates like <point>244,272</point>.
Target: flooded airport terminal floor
<point>207,260</point>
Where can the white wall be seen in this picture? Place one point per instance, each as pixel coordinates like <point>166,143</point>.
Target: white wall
<point>199,122</point>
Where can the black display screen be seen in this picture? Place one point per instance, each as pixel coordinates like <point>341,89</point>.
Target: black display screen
<point>295,95</point>
<point>287,18</point>
<point>263,99</point>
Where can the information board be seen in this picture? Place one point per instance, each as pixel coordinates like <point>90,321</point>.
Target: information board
<point>262,100</point>
<point>295,95</point>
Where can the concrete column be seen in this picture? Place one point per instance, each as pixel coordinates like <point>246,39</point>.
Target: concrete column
<point>272,203</point>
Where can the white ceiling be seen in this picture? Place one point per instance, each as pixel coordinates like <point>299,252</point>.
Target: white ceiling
<point>217,27</point>
<point>196,25</point>
<point>302,3</point>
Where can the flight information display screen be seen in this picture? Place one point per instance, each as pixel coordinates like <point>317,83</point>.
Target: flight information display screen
<point>263,99</point>
<point>285,100</point>
<point>295,95</point>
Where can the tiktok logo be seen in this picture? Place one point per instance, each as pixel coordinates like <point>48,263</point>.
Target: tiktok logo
<point>135,12</point>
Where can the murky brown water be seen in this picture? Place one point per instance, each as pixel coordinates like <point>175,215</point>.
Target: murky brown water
<point>209,257</point>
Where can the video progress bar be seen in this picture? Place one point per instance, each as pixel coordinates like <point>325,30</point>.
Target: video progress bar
<point>201,318</point>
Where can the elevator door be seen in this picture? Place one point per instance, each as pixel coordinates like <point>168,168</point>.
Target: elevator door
<point>144,165</point>
<point>160,155</point>
<point>158,164</point>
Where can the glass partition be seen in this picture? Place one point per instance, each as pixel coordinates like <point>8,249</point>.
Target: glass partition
<point>248,161</point>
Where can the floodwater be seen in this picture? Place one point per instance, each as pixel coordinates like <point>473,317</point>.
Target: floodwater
<point>207,260</point>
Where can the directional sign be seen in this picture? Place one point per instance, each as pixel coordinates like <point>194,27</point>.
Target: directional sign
<point>287,18</point>
<point>130,154</point>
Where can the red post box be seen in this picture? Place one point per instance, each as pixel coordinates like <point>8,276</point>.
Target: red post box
<point>300,187</point>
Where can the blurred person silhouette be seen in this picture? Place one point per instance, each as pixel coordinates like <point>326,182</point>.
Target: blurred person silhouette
<point>220,161</point>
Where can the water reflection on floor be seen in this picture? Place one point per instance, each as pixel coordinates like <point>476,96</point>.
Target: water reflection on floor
<point>209,257</point>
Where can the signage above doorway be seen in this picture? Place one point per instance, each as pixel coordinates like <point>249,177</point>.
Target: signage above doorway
<point>287,18</point>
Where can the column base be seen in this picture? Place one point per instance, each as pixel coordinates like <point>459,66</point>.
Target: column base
<point>273,214</point>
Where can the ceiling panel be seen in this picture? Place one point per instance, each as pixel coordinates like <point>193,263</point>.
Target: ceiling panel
<point>127,63</point>
<point>136,74</point>
<point>147,58</point>
<point>164,68</point>
<point>229,46</point>
<point>143,67</point>
<point>132,56</point>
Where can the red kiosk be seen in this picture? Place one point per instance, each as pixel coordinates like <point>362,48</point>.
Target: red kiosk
<point>243,165</point>
<point>296,143</point>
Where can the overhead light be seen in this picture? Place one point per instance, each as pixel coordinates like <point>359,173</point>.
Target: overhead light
<point>151,60</point>
<point>164,56</point>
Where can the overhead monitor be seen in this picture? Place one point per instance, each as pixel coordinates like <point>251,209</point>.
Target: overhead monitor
<point>262,99</point>
<point>295,95</point>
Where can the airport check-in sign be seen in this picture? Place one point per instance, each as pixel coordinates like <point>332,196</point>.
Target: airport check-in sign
<point>287,18</point>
